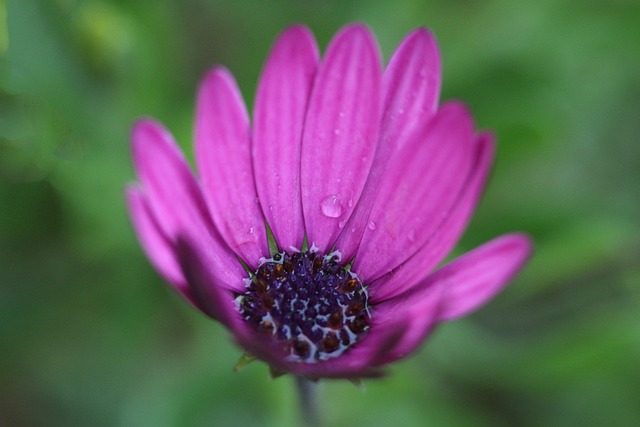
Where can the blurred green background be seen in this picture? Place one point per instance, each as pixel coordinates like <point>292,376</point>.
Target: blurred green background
<point>90,335</point>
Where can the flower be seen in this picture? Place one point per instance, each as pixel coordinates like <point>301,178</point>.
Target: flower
<point>312,234</point>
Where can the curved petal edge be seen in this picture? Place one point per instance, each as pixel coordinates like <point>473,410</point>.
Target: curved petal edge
<point>473,279</point>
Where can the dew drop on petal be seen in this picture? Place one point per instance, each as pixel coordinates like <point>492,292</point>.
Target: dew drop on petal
<point>342,223</point>
<point>371,226</point>
<point>412,235</point>
<point>331,207</point>
<point>242,233</point>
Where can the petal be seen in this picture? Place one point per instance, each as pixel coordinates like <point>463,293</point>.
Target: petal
<point>173,194</point>
<point>280,107</point>
<point>341,133</point>
<point>418,310</point>
<point>207,285</point>
<point>474,278</point>
<point>411,84</point>
<point>157,246</point>
<point>204,280</point>
<point>223,155</point>
<point>448,233</point>
<point>453,291</point>
<point>174,198</point>
<point>422,183</point>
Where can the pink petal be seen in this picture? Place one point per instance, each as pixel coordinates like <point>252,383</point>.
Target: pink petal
<point>173,197</point>
<point>207,284</point>
<point>474,278</point>
<point>418,310</point>
<point>203,274</point>
<point>453,291</point>
<point>157,246</point>
<point>280,107</point>
<point>173,194</point>
<point>422,182</point>
<point>411,84</point>
<point>341,133</point>
<point>223,155</point>
<point>448,233</point>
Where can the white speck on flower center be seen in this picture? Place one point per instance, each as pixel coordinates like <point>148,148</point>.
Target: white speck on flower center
<point>331,207</point>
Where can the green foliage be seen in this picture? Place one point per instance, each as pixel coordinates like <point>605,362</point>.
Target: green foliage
<point>89,335</point>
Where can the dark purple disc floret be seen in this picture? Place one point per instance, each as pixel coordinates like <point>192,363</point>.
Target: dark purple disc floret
<point>316,307</point>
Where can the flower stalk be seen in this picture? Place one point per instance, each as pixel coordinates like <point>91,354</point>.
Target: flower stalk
<point>308,395</point>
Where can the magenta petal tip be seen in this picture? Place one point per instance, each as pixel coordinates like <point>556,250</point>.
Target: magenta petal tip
<point>473,279</point>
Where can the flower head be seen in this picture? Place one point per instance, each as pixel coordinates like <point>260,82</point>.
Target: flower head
<point>313,231</point>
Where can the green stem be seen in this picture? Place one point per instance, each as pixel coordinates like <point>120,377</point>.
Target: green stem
<point>308,395</point>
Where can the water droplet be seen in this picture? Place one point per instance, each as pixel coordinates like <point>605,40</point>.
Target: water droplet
<point>342,223</point>
<point>242,233</point>
<point>371,226</point>
<point>412,235</point>
<point>331,207</point>
<point>353,229</point>
<point>336,131</point>
<point>350,202</point>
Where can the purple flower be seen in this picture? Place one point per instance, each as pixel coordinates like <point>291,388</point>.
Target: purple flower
<point>313,233</point>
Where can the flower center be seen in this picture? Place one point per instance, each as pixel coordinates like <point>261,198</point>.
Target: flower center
<point>315,307</point>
